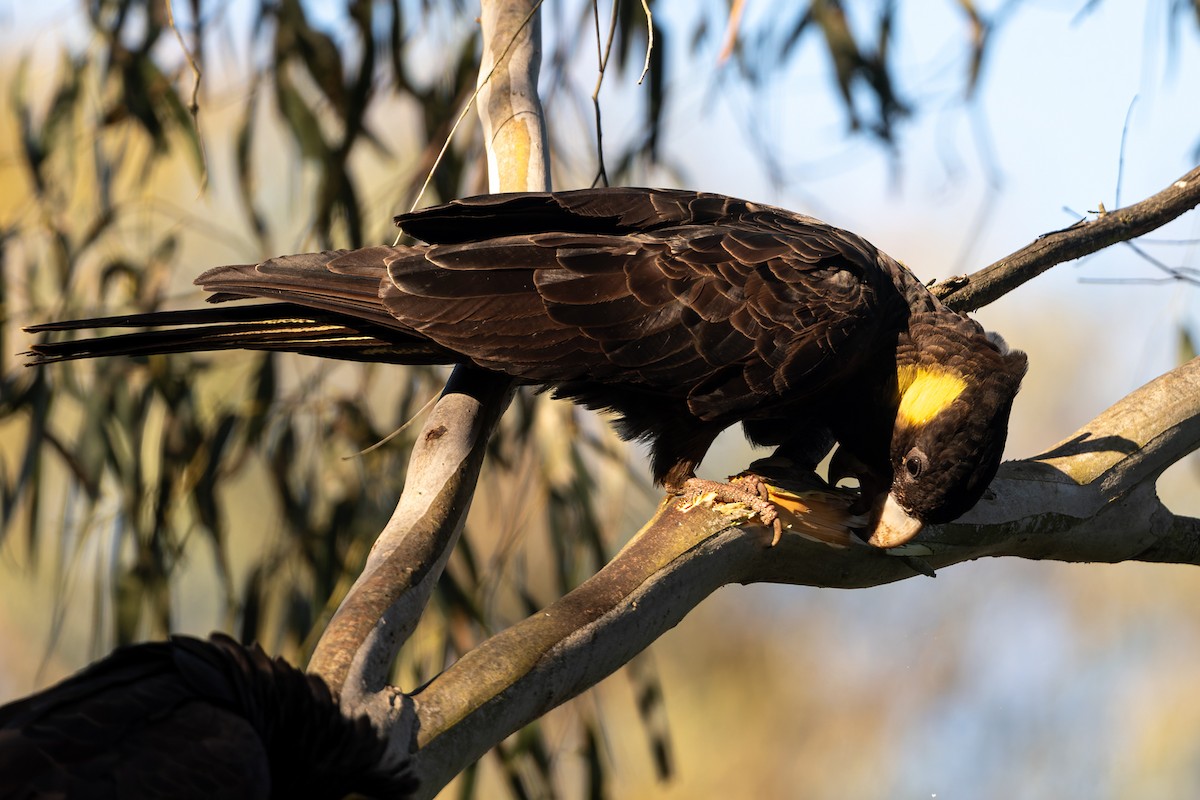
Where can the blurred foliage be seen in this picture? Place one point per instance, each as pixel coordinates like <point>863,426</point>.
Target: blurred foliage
<point>140,460</point>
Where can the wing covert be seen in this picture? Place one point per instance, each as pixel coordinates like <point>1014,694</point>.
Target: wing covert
<point>722,313</point>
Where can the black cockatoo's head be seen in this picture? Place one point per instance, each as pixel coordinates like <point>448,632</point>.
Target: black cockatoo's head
<point>955,389</point>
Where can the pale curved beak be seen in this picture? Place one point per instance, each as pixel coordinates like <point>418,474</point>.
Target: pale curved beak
<point>895,526</point>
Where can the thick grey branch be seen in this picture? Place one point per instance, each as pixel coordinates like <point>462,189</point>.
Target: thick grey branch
<point>1136,439</point>
<point>356,652</point>
<point>1179,545</point>
<point>516,676</point>
<point>1089,498</point>
<point>510,109</point>
<point>1077,241</point>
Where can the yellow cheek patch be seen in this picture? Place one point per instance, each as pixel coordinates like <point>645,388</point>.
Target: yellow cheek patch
<point>925,393</point>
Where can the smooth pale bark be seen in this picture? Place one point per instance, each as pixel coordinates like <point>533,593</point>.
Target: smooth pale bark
<point>1089,498</point>
<point>356,652</point>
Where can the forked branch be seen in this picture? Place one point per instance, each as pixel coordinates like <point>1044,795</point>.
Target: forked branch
<point>1090,497</point>
<point>1081,239</point>
<point>381,610</point>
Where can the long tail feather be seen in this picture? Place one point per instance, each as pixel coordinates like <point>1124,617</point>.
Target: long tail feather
<point>273,326</point>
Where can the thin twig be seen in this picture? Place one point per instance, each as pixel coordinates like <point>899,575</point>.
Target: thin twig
<point>731,31</point>
<point>408,423</point>
<point>1121,154</point>
<point>194,104</point>
<point>602,67</point>
<point>649,40</point>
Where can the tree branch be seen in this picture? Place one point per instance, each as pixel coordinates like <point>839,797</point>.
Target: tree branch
<point>1083,238</point>
<point>673,563</point>
<point>356,651</point>
<point>1090,498</point>
<point>510,108</point>
<point>521,673</point>
<point>381,610</point>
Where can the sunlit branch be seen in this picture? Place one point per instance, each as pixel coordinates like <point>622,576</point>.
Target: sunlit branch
<point>1083,238</point>
<point>1092,497</point>
<point>357,649</point>
<point>1089,498</point>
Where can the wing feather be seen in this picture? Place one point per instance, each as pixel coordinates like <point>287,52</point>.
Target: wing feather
<point>717,309</point>
<point>723,301</point>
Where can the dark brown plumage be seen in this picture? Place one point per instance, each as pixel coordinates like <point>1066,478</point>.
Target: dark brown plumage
<point>683,312</point>
<point>186,719</point>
